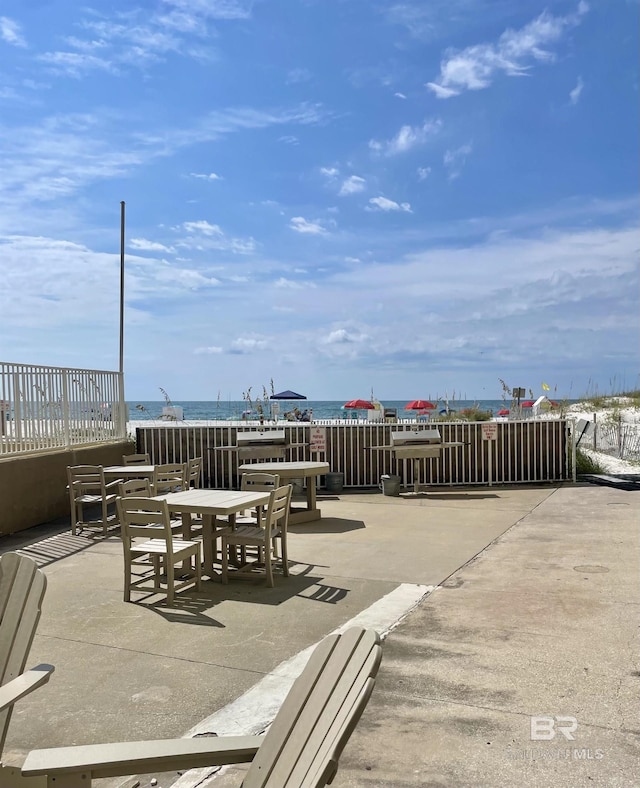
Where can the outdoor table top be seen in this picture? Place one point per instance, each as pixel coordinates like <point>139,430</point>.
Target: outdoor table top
<point>213,502</point>
<point>133,471</point>
<point>287,469</point>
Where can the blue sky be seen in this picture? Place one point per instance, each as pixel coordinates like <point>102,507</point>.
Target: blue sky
<point>331,194</point>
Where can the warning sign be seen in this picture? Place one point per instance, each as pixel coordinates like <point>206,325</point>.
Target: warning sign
<point>489,431</point>
<point>318,440</point>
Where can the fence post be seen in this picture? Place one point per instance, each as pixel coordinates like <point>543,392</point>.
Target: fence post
<point>66,416</point>
<point>595,431</point>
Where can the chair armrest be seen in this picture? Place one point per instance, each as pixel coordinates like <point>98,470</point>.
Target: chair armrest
<point>114,483</point>
<point>141,757</point>
<point>23,684</point>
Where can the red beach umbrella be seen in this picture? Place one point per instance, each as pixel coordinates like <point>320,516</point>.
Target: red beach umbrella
<point>503,412</point>
<point>528,403</point>
<point>419,404</point>
<point>358,404</point>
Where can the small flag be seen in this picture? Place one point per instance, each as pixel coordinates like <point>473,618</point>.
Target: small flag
<point>545,387</point>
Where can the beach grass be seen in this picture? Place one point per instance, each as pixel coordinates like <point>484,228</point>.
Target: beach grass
<point>585,463</point>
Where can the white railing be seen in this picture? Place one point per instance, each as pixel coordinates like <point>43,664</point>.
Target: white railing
<point>45,408</point>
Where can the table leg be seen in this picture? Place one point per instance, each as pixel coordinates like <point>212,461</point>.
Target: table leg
<point>208,545</point>
<point>186,526</point>
<point>311,492</point>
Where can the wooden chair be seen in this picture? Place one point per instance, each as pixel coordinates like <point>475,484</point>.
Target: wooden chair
<point>194,468</point>
<point>141,488</point>
<point>87,487</point>
<point>148,519</point>
<point>135,488</point>
<point>136,459</point>
<point>168,478</point>
<point>301,748</point>
<point>257,482</point>
<point>273,526</point>
<point>22,587</point>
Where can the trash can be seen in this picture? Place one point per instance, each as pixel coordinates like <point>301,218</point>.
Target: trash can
<point>335,482</point>
<point>390,484</point>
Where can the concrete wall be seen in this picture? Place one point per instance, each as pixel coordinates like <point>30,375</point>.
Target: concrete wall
<point>33,488</point>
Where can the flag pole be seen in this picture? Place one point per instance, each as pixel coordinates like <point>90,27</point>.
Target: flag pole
<point>121,287</point>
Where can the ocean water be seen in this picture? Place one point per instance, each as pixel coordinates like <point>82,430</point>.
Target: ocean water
<point>322,409</point>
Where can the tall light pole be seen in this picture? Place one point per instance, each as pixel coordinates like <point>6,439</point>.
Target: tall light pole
<point>122,407</point>
<point>121,287</point>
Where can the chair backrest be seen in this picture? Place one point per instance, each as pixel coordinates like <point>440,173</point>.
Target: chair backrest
<point>85,479</point>
<point>194,466</point>
<point>277,515</point>
<point>144,518</point>
<point>260,482</point>
<point>136,488</point>
<point>136,459</point>
<point>22,587</point>
<point>305,740</point>
<point>170,477</point>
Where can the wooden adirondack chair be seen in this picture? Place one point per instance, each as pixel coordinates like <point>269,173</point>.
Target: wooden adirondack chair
<point>300,750</point>
<point>22,587</point>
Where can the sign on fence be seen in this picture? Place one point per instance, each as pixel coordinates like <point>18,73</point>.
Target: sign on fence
<point>489,431</point>
<point>318,440</point>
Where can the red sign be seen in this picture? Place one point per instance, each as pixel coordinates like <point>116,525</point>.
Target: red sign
<point>318,440</point>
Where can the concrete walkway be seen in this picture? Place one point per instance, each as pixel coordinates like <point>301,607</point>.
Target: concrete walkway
<point>535,613</point>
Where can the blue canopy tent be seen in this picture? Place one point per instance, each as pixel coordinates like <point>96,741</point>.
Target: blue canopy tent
<point>293,415</point>
<point>287,395</point>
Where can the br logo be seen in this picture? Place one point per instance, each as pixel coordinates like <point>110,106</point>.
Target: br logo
<point>545,728</point>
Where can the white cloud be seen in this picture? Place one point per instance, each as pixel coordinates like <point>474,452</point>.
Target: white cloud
<point>352,185</point>
<point>10,32</point>
<point>75,64</point>
<point>407,138</point>
<point>475,67</point>
<point>249,344</point>
<point>454,160</point>
<point>343,343</point>
<point>202,226</point>
<point>330,172</point>
<point>423,173</point>
<point>400,95</point>
<point>212,350</point>
<point>204,236</point>
<point>144,245</point>
<point>289,139</point>
<point>297,75</point>
<point>384,204</point>
<point>301,225</point>
<point>212,176</point>
<point>574,95</point>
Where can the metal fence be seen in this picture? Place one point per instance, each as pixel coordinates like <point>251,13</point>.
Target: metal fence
<point>522,452</point>
<point>45,408</point>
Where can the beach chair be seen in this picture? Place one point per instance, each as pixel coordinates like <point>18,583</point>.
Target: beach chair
<point>22,587</point>
<point>194,468</point>
<point>263,535</point>
<point>87,487</point>
<point>301,748</point>
<point>148,520</point>
<point>136,459</point>
<point>257,482</point>
<point>168,478</point>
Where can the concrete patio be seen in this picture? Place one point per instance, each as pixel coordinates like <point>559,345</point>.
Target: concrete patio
<point>534,612</point>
